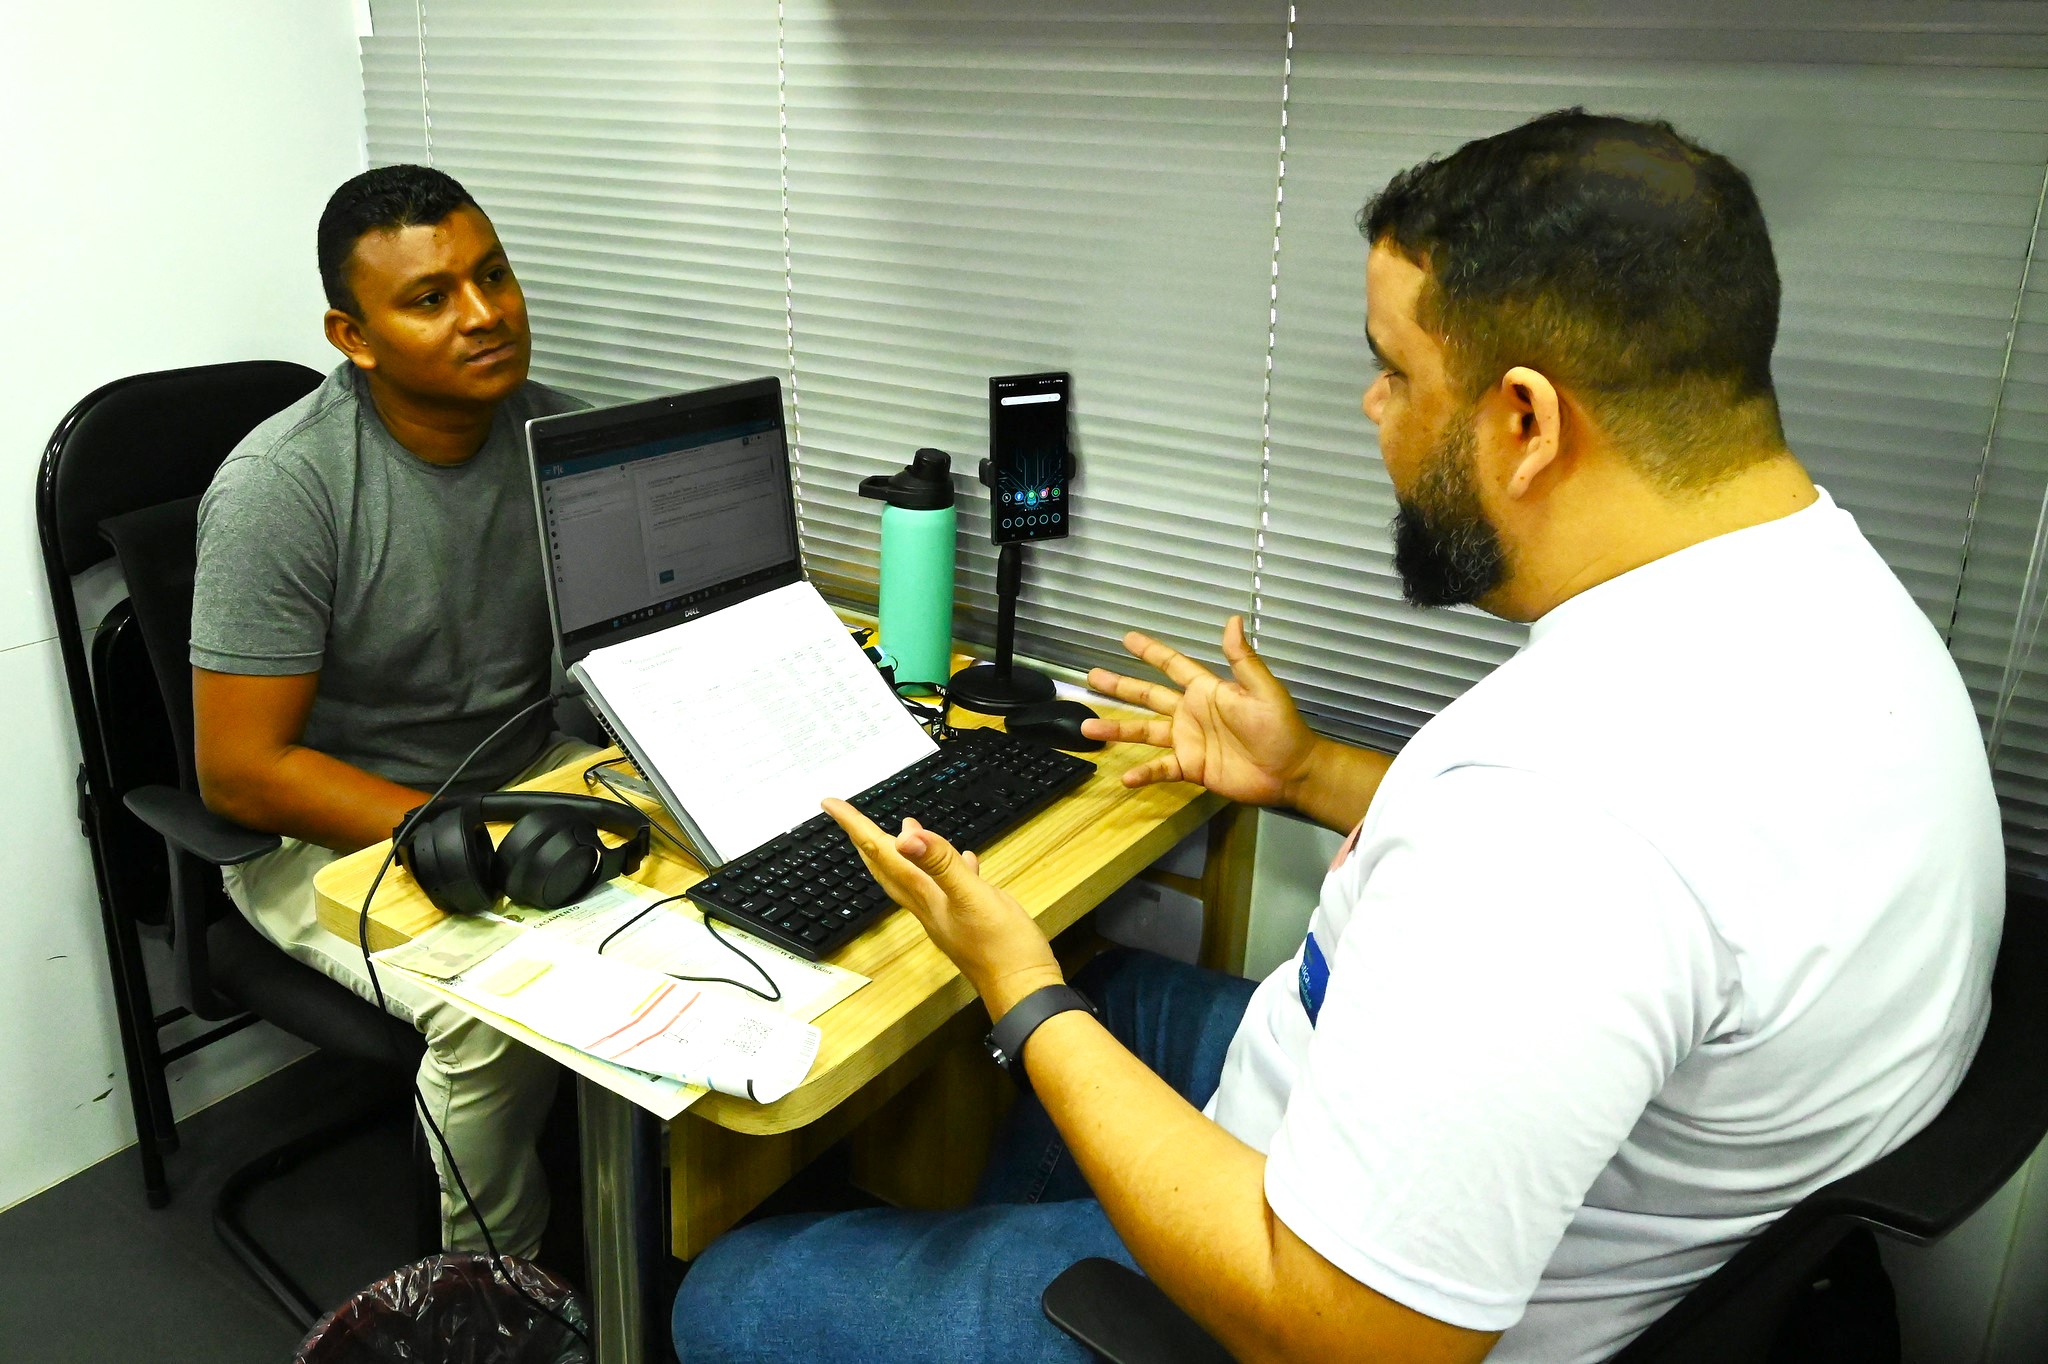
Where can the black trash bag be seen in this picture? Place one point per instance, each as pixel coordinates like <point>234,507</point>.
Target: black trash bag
<point>451,1309</point>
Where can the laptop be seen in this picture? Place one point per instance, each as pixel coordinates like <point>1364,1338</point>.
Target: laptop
<point>655,512</point>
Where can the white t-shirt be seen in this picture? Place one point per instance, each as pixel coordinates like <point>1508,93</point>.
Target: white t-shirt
<point>1685,911</point>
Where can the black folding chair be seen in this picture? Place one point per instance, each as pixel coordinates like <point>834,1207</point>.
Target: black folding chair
<point>1917,1194</point>
<point>121,480</point>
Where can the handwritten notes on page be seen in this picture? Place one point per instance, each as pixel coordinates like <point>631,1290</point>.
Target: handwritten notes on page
<point>749,716</point>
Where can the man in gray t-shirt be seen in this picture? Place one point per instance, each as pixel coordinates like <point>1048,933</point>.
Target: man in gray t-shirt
<point>369,607</point>
<point>413,589</point>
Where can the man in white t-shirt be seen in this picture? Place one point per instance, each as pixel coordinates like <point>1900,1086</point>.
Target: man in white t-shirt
<point>1683,912</point>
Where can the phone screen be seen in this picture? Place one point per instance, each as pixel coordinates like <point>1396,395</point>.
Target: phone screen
<point>1028,457</point>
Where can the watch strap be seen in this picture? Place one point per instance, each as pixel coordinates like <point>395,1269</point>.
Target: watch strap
<point>1006,1041</point>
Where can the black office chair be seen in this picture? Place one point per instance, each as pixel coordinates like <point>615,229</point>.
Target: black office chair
<point>1918,1194</point>
<point>121,480</point>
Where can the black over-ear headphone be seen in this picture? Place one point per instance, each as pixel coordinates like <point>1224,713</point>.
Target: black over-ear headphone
<point>551,857</point>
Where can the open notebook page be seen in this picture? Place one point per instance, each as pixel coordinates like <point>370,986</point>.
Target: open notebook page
<point>746,718</point>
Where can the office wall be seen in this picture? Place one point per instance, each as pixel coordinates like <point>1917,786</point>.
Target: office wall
<point>163,167</point>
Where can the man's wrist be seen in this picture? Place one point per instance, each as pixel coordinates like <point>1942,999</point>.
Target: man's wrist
<point>1296,790</point>
<point>1007,1039</point>
<point>1003,993</point>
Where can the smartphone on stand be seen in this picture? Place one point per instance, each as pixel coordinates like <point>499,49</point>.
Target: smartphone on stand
<point>1030,457</point>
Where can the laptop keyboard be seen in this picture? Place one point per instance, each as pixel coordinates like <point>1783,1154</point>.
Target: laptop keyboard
<point>807,889</point>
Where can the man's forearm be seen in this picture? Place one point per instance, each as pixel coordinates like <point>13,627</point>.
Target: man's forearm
<point>1338,784</point>
<point>1187,1198</point>
<point>1189,1201</point>
<point>304,793</point>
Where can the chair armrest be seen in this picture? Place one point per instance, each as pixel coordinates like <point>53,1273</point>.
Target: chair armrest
<point>184,819</point>
<point>1123,1317</point>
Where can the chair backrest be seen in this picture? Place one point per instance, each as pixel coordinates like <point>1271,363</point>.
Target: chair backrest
<point>135,443</point>
<point>158,549</point>
<point>147,439</point>
<point>140,751</point>
<point>1919,1192</point>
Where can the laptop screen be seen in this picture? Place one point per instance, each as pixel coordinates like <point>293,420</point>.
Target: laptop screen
<point>657,511</point>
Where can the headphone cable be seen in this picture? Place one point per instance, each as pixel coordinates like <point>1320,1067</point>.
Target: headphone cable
<point>404,833</point>
<point>932,717</point>
<point>773,994</point>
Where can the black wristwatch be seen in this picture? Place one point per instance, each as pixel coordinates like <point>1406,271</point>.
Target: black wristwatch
<point>1013,1029</point>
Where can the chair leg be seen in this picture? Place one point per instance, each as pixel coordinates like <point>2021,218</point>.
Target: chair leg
<point>227,1220</point>
<point>135,1016</point>
<point>157,1063</point>
<point>156,1188</point>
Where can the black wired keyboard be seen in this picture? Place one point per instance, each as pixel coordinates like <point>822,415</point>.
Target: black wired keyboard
<point>807,889</point>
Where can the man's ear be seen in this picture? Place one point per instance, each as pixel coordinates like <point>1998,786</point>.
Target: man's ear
<point>1535,418</point>
<point>345,334</point>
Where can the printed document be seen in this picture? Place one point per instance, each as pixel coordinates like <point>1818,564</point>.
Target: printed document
<point>748,717</point>
<point>646,1021</point>
<point>621,1018</point>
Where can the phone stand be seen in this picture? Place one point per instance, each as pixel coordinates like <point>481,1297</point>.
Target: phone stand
<point>1000,687</point>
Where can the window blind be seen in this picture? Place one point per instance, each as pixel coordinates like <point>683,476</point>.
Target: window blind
<point>972,190</point>
<point>1999,617</point>
<point>1898,199</point>
<point>626,152</point>
<point>984,188</point>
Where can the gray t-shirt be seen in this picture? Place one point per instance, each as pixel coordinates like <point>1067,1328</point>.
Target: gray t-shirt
<point>413,589</point>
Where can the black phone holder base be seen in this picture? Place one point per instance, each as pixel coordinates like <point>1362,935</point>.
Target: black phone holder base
<point>1002,686</point>
<point>990,689</point>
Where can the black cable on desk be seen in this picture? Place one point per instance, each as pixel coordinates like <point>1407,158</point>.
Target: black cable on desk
<point>774,992</point>
<point>595,773</point>
<point>932,717</point>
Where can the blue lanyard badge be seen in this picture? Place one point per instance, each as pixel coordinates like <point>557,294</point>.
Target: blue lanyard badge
<point>1315,978</point>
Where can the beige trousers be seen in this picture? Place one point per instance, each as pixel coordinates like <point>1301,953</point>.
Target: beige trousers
<point>488,1094</point>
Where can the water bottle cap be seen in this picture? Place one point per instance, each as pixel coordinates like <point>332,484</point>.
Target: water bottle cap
<point>925,484</point>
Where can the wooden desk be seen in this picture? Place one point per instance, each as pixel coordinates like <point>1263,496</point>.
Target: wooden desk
<point>726,1154</point>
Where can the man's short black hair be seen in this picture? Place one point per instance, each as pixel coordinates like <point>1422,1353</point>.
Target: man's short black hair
<point>1622,260</point>
<point>380,200</point>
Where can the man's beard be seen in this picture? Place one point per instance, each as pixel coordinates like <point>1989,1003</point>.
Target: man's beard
<point>1446,551</point>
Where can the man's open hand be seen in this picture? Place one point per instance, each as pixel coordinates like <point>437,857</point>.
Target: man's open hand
<point>1242,738</point>
<point>982,928</point>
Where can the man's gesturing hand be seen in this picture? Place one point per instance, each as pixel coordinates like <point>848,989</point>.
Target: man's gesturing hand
<point>983,929</point>
<point>1242,738</point>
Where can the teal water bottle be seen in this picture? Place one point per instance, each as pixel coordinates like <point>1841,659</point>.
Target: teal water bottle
<point>918,534</point>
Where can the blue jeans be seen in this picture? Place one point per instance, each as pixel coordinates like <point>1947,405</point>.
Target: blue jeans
<point>907,1287</point>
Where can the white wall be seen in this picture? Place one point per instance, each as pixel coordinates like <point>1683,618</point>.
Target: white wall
<point>161,172</point>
